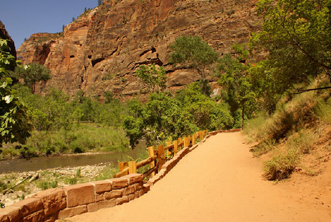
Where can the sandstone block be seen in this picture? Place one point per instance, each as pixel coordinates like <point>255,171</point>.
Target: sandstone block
<point>119,183</point>
<point>162,173</point>
<point>102,186</point>
<point>139,186</point>
<point>175,159</point>
<point>137,194</point>
<point>166,165</point>
<point>29,205</point>
<point>53,200</point>
<point>79,194</point>
<point>122,200</point>
<point>52,217</point>
<point>141,192</point>
<point>100,205</point>
<point>149,182</point>
<point>147,187</point>
<point>131,197</point>
<point>4,217</point>
<point>35,217</point>
<point>11,213</point>
<point>129,190</point>
<point>134,178</point>
<point>113,194</point>
<point>70,212</point>
<point>99,197</point>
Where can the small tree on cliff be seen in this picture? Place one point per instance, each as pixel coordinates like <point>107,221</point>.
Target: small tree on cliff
<point>154,77</point>
<point>100,2</point>
<point>31,74</point>
<point>196,53</point>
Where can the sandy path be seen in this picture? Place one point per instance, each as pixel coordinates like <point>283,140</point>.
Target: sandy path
<point>218,181</point>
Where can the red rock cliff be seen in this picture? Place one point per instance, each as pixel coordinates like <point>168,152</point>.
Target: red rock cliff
<point>101,50</point>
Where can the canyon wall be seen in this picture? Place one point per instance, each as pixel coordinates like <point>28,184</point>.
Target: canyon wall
<point>101,49</point>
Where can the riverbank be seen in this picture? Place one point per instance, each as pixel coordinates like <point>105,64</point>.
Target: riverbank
<point>82,138</point>
<point>31,182</point>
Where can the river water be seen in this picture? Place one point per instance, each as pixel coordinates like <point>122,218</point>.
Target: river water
<point>42,163</point>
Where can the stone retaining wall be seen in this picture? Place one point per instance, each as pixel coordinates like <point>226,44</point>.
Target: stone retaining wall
<point>60,203</point>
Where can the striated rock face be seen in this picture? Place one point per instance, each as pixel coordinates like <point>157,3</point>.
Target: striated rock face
<point>101,50</point>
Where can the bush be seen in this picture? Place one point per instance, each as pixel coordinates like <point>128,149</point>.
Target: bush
<point>281,166</point>
<point>322,111</point>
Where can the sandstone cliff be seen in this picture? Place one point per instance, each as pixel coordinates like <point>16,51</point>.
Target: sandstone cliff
<point>101,50</point>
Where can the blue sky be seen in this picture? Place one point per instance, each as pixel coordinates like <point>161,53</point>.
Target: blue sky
<point>23,18</point>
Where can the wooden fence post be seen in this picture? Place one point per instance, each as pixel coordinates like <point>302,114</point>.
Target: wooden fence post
<point>168,152</point>
<point>193,139</point>
<point>175,147</point>
<point>132,167</point>
<point>179,142</point>
<point>161,156</point>
<point>151,154</point>
<point>186,141</point>
<point>122,165</point>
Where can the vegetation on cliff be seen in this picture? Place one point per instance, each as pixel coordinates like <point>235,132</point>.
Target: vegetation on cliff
<point>295,35</point>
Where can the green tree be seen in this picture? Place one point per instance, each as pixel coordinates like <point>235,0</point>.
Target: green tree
<point>31,74</point>
<point>100,2</point>
<point>206,112</point>
<point>14,122</point>
<point>7,60</point>
<point>236,82</point>
<point>154,77</point>
<point>166,116</point>
<point>296,35</point>
<point>192,51</point>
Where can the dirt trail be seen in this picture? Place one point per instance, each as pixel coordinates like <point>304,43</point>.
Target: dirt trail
<point>218,181</point>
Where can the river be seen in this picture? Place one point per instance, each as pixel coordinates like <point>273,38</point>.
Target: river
<point>42,163</point>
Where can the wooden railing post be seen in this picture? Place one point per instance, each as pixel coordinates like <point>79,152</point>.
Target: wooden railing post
<point>122,165</point>
<point>132,167</point>
<point>151,154</point>
<point>186,141</point>
<point>161,156</point>
<point>179,142</point>
<point>168,152</point>
<point>193,139</point>
<point>175,147</point>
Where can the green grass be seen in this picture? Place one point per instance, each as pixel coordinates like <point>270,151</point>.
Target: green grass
<point>322,111</point>
<point>84,137</point>
<point>106,173</point>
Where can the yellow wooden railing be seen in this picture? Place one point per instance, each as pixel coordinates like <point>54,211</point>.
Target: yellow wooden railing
<point>157,157</point>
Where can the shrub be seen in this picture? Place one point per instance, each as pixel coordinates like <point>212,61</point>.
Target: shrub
<point>281,166</point>
<point>322,111</point>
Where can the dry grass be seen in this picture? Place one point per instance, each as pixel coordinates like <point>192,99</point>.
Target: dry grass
<point>290,132</point>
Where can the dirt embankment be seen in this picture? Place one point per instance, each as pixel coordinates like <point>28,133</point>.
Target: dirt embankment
<point>220,181</point>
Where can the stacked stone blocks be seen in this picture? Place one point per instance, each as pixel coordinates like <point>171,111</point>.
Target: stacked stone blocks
<point>60,203</point>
